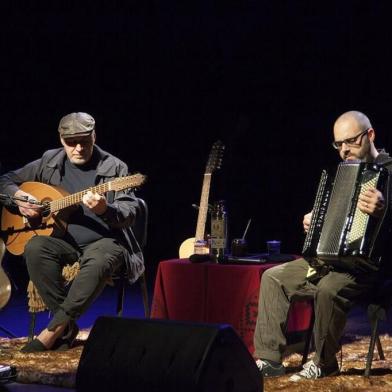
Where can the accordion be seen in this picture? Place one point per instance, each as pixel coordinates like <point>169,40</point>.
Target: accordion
<point>338,230</point>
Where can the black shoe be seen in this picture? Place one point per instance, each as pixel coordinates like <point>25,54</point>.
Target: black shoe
<point>34,346</point>
<point>270,368</point>
<point>65,342</point>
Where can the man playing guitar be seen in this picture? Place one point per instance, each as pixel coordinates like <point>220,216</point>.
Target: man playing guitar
<point>96,232</point>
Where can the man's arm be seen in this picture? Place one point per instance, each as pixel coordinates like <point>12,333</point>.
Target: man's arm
<point>9,182</point>
<point>121,212</point>
<point>9,185</point>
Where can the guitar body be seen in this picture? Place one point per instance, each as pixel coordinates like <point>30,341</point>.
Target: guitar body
<point>56,204</point>
<point>5,284</point>
<point>19,230</point>
<point>188,248</point>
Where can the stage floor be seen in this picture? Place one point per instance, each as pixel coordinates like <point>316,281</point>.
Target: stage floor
<point>15,318</point>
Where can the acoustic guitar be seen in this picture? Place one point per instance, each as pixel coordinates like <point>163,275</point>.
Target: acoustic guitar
<point>5,284</point>
<point>198,244</point>
<point>54,203</point>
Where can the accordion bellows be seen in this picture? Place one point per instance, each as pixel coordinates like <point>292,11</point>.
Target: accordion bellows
<point>338,228</point>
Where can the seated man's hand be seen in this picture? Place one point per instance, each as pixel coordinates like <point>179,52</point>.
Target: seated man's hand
<point>25,208</point>
<point>371,202</point>
<point>95,202</point>
<point>306,221</point>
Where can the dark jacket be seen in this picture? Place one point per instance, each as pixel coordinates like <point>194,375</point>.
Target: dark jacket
<point>122,205</point>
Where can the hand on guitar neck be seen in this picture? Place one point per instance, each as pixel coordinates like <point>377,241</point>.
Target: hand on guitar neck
<point>26,208</point>
<point>95,202</point>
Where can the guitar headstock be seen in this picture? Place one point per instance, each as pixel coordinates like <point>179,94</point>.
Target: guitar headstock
<point>133,181</point>
<point>215,158</point>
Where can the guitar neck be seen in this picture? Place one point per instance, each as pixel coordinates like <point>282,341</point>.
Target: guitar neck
<point>76,198</point>
<point>117,184</point>
<point>203,208</point>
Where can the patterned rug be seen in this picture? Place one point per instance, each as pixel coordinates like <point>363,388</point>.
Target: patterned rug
<point>50,367</point>
<point>59,368</point>
<point>353,361</point>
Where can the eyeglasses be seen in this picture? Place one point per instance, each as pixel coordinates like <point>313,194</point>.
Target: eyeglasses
<point>83,141</point>
<point>352,141</point>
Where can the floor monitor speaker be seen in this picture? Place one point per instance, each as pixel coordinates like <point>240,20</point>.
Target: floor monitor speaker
<point>155,355</point>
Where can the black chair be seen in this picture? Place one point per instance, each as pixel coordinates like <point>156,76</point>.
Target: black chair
<point>139,229</point>
<point>377,311</point>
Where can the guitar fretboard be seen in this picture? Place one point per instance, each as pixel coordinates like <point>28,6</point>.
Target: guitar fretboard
<point>117,185</point>
<point>75,198</point>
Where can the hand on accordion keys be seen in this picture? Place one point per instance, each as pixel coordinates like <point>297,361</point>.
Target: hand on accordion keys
<point>371,202</point>
<point>306,221</point>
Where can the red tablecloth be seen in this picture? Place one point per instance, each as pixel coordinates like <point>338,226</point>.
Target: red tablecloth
<point>216,293</point>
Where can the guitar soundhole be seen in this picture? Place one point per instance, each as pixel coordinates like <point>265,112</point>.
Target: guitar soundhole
<point>46,210</point>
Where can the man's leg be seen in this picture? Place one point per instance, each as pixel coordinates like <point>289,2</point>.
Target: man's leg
<point>45,258</point>
<point>278,284</point>
<point>336,293</point>
<point>97,263</point>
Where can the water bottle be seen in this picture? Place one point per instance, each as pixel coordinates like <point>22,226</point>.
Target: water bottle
<point>218,241</point>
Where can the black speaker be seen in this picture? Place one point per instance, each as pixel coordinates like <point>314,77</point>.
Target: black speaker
<point>155,355</point>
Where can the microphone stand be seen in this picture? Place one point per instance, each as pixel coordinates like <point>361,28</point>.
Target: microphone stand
<point>8,200</point>
<point>7,332</point>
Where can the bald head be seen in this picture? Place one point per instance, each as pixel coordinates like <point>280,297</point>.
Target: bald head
<point>361,120</point>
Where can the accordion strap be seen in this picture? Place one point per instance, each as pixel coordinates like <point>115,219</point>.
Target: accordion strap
<point>317,269</point>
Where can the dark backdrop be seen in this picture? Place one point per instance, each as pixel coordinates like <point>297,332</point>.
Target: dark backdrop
<point>165,79</point>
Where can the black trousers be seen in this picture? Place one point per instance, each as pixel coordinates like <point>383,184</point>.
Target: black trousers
<point>45,258</point>
<point>334,295</point>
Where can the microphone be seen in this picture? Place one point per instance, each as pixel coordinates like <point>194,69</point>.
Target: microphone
<point>7,199</point>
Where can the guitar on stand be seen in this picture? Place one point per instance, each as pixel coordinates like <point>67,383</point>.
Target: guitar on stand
<point>198,244</point>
